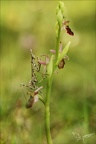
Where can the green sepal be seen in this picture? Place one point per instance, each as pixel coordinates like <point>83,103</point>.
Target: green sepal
<point>50,66</point>
<point>63,53</point>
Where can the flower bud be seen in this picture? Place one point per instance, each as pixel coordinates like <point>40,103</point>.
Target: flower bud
<point>61,5</point>
<point>59,17</point>
<point>57,9</point>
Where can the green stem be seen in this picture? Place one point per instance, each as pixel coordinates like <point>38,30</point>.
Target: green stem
<point>57,43</point>
<point>48,93</point>
<point>57,48</point>
<point>47,112</point>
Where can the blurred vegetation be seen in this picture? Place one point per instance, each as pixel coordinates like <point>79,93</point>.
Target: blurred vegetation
<point>25,24</point>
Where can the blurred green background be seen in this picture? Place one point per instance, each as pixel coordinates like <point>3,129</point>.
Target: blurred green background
<point>25,24</point>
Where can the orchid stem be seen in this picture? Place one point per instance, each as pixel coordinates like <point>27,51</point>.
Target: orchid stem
<point>47,112</point>
<point>48,94</point>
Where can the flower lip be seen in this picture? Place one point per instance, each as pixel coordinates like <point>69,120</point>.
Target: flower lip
<point>61,64</point>
<point>68,29</point>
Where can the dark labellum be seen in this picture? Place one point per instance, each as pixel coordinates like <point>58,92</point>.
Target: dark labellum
<point>61,64</point>
<point>30,102</point>
<point>69,31</point>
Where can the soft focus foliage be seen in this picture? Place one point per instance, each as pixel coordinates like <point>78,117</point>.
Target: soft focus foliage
<point>26,24</point>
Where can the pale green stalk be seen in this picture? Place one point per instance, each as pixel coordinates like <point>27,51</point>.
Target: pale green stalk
<point>47,111</point>
<point>48,94</point>
<point>51,67</point>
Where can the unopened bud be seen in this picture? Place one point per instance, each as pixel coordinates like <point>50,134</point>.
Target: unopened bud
<point>61,5</point>
<point>59,17</point>
<point>57,9</point>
